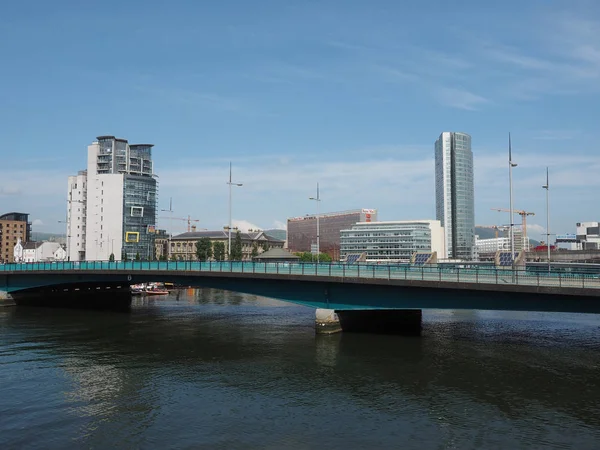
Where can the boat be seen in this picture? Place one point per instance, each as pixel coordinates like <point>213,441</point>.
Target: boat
<point>155,289</point>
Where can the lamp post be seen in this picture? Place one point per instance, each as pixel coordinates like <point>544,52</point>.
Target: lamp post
<point>512,225</point>
<point>230,183</point>
<point>318,200</point>
<point>547,187</point>
<point>170,211</point>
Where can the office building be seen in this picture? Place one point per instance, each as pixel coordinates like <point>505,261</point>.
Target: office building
<point>394,240</point>
<point>302,231</point>
<point>111,206</point>
<point>454,193</point>
<point>587,236</point>
<point>13,226</point>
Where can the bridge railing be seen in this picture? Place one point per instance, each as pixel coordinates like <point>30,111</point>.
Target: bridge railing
<point>434,273</point>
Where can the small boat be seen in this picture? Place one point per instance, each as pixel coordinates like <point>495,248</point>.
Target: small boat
<point>156,292</point>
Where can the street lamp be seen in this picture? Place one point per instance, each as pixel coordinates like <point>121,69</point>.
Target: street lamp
<point>318,200</point>
<point>230,183</point>
<point>512,225</point>
<point>547,187</point>
<point>170,211</point>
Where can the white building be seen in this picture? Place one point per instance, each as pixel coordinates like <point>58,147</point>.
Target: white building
<point>487,248</point>
<point>588,236</point>
<point>112,204</point>
<point>454,193</point>
<point>394,240</point>
<point>43,252</point>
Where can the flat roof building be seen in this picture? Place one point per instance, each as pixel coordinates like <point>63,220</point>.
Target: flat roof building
<point>394,240</point>
<point>302,231</point>
<point>13,226</point>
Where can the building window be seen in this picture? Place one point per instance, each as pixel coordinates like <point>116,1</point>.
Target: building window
<point>137,211</point>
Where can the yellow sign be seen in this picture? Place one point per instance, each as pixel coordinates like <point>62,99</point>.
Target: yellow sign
<point>132,236</point>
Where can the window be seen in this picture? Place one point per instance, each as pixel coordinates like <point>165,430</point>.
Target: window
<point>137,211</point>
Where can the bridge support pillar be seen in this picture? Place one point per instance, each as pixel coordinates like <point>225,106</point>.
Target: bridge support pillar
<point>382,321</point>
<point>327,322</point>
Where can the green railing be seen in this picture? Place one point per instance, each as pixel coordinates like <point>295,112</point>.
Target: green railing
<point>433,273</point>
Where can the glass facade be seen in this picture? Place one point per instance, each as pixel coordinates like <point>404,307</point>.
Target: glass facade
<point>139,216</point>
<point>455,197</point>
<point>386,241</point>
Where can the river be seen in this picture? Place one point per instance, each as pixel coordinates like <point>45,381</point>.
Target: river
<point>213,369</point>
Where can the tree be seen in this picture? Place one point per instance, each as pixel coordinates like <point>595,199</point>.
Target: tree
<point>309,257</point>
<point>111,258</point>
<point>236,254</point>
<point>265,246</point>
<point>219,250</point>
<point>163,257</point>
<point>173,258</point>
<point>124,256</point>
<point>204,249</point>
<point>254,250</point>
<point>137,256</point>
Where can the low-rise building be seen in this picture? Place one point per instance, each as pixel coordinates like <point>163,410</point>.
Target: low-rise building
<point>183,246</point>
<point>394,240</point>
<point>486,248</point>
<point>43,252</point>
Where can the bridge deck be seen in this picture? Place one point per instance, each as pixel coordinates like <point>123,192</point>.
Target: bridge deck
<point>476,276</point>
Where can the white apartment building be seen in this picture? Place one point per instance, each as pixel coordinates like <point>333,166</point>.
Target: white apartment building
<point>394,240</point>
<point>112,205</point>
<point>486,248</point>
<point>455,193</point>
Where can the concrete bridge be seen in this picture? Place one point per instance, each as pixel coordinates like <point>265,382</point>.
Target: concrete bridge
<point>385,298</point>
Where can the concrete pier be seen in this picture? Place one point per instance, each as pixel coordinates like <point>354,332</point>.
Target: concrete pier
<point>406,322</point>
<point>327,322</point>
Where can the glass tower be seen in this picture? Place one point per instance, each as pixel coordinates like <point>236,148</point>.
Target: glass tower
<point>454,193</point>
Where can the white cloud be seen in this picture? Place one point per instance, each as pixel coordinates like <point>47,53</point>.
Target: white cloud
<point>37,223</point>
<point>460,98</point>
<point>278,225</point>
<point>244,225</point>
<point>5,191</point>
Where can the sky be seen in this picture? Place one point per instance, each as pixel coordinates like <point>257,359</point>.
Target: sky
<point>348,94</point>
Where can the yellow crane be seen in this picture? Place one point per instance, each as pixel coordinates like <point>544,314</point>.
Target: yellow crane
<point>494,227</point>
<point>523,215</point>
<point>189,221</point>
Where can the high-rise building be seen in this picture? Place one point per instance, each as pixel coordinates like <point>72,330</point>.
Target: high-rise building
<point>13,226</point>
<point>112,205</point>
<point>302,231</point>
<point>454,193</point>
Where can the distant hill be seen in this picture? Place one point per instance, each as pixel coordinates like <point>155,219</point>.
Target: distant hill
<point>54,237</point>
<point>277,234</point>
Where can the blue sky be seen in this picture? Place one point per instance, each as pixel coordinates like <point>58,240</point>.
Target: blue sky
<point>350,94</point>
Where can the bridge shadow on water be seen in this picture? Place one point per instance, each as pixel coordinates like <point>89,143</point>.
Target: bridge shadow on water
<point>512,367</point>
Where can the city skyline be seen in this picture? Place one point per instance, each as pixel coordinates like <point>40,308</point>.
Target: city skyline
<point>297,94</point>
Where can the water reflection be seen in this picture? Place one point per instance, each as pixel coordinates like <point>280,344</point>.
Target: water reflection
<point>227,364</point>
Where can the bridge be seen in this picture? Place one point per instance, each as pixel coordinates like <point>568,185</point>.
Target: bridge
<point>363,296</point>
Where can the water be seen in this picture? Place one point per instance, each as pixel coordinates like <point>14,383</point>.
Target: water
<point>214,369</point>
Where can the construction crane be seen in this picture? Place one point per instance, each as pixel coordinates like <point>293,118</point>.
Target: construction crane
<point>494,227</point>
<point>189,221</point>
<point>523,215</point>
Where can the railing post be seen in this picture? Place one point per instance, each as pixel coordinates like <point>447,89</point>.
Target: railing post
<point>439,268</point>
<point>302,268</point>
<point>422,273</point>
<point>277,267</point>
<point>496,269</point>
<point>458,274</point>
<point>373,271</point>
<point>476,274</point>
<point>343,270</point>
<point>389,272</point>
<point>329,269</point>
<point>559,280</point>
<point>538,278</point>
<point>316,269</point>
<point>358,273</point>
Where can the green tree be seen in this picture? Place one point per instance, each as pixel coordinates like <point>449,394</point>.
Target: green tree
<point>309,257</point>
<point>111,258</point>
<point>204,249</point>
<point>254,250</point>
<point>265,246</point>
<point>219,250</point>
<point>163,257</point>
<point>137,256</point>
<point>235,253</point>
<point>173,258</point>
<point>124,255</point>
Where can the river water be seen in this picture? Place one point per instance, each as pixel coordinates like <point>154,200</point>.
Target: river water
<point>212,369</point>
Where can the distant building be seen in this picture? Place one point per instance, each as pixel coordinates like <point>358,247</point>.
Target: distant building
<point>394,241</point>
<point>588,236</point>
<point>183,246</point>
<point>112,204</point>
<point>302,231</point>
<point>43,252</point>
<point>486,248</point>
<point>455,193</point>
<point>276,255</point>
<point>13,226</point>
